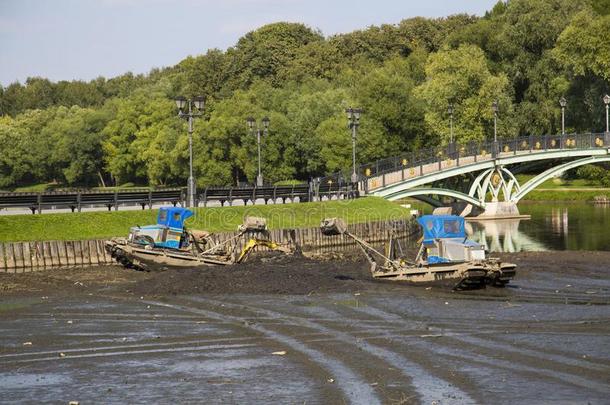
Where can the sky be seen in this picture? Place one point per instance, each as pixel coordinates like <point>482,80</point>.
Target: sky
<point>84,39</point>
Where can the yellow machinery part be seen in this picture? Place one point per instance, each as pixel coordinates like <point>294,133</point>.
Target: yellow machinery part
<point>252,243</point>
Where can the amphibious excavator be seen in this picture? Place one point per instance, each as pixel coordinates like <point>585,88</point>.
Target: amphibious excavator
<point>169,243</point>
<point>444,253</point>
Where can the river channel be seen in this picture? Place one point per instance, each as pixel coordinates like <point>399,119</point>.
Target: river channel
<point>553,226</point>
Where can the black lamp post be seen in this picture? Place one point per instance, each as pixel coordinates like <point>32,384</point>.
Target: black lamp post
<point>199,103</point>
<point>450,112</point>
<point>353,121</point>
<point>494,107</point>
<point>606,102</point>
<point>251,126</point>
<point>563,102</point>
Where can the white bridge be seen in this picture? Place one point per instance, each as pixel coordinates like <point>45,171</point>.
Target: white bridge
<point>481,175</point>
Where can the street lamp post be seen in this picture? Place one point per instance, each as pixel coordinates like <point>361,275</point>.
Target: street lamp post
<point>563,102</point>
<point>606,102</point>
<point>494,107</point>
<point>251,126</point>
<point>199,103</point>
<point>353,121</point>
<point>450,112</point>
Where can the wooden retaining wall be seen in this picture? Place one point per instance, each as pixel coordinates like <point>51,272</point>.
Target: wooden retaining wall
<point>20,257</point>
<point>311,240</point>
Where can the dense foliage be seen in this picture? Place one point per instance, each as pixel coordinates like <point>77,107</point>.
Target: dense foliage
<point>524,53</point>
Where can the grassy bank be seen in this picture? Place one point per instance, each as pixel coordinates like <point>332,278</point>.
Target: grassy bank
<point>97,225</point>
<point>566,194</point>
<point>558,189</point>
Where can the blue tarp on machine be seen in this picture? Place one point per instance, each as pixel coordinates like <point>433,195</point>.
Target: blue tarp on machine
<point>441,226</point>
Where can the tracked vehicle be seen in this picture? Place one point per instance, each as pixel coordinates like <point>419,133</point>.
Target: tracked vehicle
<point>169,243</point>
<point>444,254</point>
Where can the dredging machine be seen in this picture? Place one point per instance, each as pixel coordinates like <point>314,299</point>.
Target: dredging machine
<point>444,253</point>
<point>169,243</point>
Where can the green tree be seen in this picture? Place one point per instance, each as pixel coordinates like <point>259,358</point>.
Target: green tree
<point>583,49</point>
<point>226,153</point>
<point>386,93</point>
<point>14,163</point>
<point>26,155</point>
<point>335,143</point>
<point>462,77</point>
<point>314,103</point>
<point>584,46</point>
<point>140,140</point>
<point>76,154</point>
<point>317,59</point>
<point>262,53</point>
<point>529,28</point>
<point>430,34</point>
<point>204,74</point>
<point>12,99</point>
<point>539,113</point>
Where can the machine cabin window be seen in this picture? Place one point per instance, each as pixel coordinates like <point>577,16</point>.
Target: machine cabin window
<point>451,226</point>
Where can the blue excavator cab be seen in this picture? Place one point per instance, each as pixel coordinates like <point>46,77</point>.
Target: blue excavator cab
<point>167,233</point>
<point>173,217</point>
<point>445,240</point>
<point>442,226</point>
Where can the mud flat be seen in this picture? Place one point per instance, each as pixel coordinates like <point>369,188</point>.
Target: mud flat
<point>296,330</point>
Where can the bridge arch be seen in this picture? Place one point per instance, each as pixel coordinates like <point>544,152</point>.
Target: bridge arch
<point>554,171</point>
<point>492,186</point>
<point>385,184</point>
<point>417,192</point>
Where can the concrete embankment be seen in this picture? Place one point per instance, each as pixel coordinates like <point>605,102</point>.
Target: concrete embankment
<point>19,257</point>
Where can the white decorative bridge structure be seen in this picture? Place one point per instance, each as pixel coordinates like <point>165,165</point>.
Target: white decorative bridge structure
<point>479,177</point>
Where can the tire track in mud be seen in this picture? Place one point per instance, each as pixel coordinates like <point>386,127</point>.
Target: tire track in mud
<point>429,387</point>
<point>433,385</point>
<point>470,357</point>
<point>117,350</point>
<point>354,389</point>
<point>564,360</point>
<point>565,292</point>
<point>135,352</point>
<point>542,365</point>
<point>571,355</point>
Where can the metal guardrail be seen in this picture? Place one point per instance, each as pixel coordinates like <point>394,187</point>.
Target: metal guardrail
<point>76,200</point>
<point>304,192</point>
<point>417,159</point>
<point>455,151</point>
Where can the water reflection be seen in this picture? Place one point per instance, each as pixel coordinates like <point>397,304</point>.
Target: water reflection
<point>577,226</point>
<point>559,221</point>
<point>503,236</point>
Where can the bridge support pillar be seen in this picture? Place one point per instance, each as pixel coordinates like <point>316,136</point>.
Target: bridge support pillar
<point>499,210</point>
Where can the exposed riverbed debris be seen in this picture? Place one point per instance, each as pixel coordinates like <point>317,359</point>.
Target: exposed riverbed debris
<point>292,329</point>
<point>279,274</point>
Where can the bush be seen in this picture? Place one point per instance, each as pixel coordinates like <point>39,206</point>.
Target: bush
<point>592,172</point>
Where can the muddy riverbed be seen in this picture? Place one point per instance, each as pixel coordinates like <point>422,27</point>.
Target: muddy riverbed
<point>296,330</point>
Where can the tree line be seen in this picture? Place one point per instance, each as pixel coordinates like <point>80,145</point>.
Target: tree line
<point>525,54</point>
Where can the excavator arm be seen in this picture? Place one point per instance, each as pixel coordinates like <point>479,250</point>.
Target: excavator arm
<point>254,242</point>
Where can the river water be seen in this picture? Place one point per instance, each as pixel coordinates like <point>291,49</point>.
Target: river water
<point>553,226</point>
